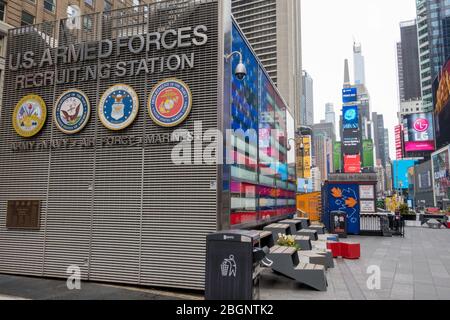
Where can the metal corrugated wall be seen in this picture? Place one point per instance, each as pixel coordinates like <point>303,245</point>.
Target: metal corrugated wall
<point>123,214</point>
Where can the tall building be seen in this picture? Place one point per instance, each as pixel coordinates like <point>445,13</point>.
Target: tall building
<point>359,64</point>
<point>307,101</point>
<point>433,27</point>
<point>408,62</point>
<point>273,28</point>
<point>379,138</point>
<point>16,13</point>
<point>330,114</point>
<point>387,147</point>
<point>323,139</point>
<point>316,179</point>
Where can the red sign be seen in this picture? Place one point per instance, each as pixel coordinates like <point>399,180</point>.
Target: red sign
<point>352,164</point>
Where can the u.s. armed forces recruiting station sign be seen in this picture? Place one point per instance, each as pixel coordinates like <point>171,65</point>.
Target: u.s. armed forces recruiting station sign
<point>169,40</point>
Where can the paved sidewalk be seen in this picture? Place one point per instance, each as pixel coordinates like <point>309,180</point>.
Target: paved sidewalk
<point>16,288</point>
<point>414,267</point>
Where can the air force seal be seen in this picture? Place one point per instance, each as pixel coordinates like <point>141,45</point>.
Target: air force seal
<point>118,107</point>
<point>72,111</point>
<point>170,103</point>
<point>29,116</point>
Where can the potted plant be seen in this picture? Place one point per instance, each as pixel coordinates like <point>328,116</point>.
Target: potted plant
<point>287,241</point>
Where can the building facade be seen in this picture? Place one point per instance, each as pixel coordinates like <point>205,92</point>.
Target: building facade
<point>273,28</point>
<point>330,114</point>
<point>307,101</point>
<point>433,27</point>
<point>379,138</point>
<point>16,13</point>
<point>359,64</point>
<point>107,158</point>
<point>408,62</point>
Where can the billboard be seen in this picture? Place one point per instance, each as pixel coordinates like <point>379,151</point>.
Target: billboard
<point>349,95</point>
<point>441,174</point>
<point>337,156</point>
<point>304,185</point>
<point>400,170</point>
<point>350,117</point>
<point>419,132</point>
<point>351,142</point>
<point>368,154</point>
<point>352,163</point>
<point>399,142</point>
<point>441,94</point>
<point>304,159</point>
<point>345,197</point>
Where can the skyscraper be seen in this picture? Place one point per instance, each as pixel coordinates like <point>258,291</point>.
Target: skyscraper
<point>359,64</point>
<point>273,28</point>
<point>433,27</point>
<point>379,138</point>
<point>330,114</point>
<point>307,101</point>
<point>408,62</point>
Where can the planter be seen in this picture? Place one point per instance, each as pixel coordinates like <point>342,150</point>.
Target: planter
<point>409,217</point>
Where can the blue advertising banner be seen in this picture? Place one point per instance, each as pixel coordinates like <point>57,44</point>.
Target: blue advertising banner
<point>349,95</point>
<point>400,172</point>
<point>345,197</point>
<point>350,117</point>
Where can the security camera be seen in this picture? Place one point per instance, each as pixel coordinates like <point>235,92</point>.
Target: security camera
<point>241,71</point>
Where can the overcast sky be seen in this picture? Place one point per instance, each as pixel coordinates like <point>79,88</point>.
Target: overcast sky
<point>328,29</point>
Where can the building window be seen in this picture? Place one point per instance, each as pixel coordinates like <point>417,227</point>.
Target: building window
<point>27,19</point>
<point>108,6</point>
<point>2,10</point>
<point>89,2</point>
<point>49,5</point>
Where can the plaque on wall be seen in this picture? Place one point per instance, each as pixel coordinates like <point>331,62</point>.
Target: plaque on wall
<point>23,214</point>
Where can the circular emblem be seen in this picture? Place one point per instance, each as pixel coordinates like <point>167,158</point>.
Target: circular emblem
<point>170,103</point>
<point>72,111</point>
<point>421,125</point>
<point>350,115</point>
<point>29,116</point>
<point>118,107</point>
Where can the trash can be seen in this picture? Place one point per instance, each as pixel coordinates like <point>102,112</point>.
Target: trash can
<point>338,223</point>
<point>233,265</point>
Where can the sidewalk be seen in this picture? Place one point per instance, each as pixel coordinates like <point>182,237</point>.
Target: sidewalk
<point>28,288</point>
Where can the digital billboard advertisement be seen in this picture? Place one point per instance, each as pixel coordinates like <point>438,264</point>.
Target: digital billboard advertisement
<point>349,95</point>
<point>400,170</point>
<point>352,163</point>
<point>441,174</point>
<point>441,93</point>
<point>350,117</point>
<point>399,142</point>
<point>304,186</point>
<point>351,142</point>
<point>304,157</point>
<point>337,156</point>
<point>368,154</point>
<point>419,132</point>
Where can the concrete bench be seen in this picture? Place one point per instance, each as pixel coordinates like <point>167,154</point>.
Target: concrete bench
<point>305,222</point>
<point>323,258</point>
<point>312,234</point>
<point>320,228</point>
<point>276,229</point>
<point>285,260</point>
<point>266,239</point>
<point>295,225</point>
<point>303,242</point>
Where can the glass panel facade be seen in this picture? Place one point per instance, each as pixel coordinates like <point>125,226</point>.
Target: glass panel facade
<point>263,175</point>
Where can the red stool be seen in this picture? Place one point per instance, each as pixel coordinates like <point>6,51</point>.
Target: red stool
<point>351,250</point>
<point>335,248</point>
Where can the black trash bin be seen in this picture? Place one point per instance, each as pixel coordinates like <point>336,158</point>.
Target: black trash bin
<point>338,223</point>
<point>233,265</point>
